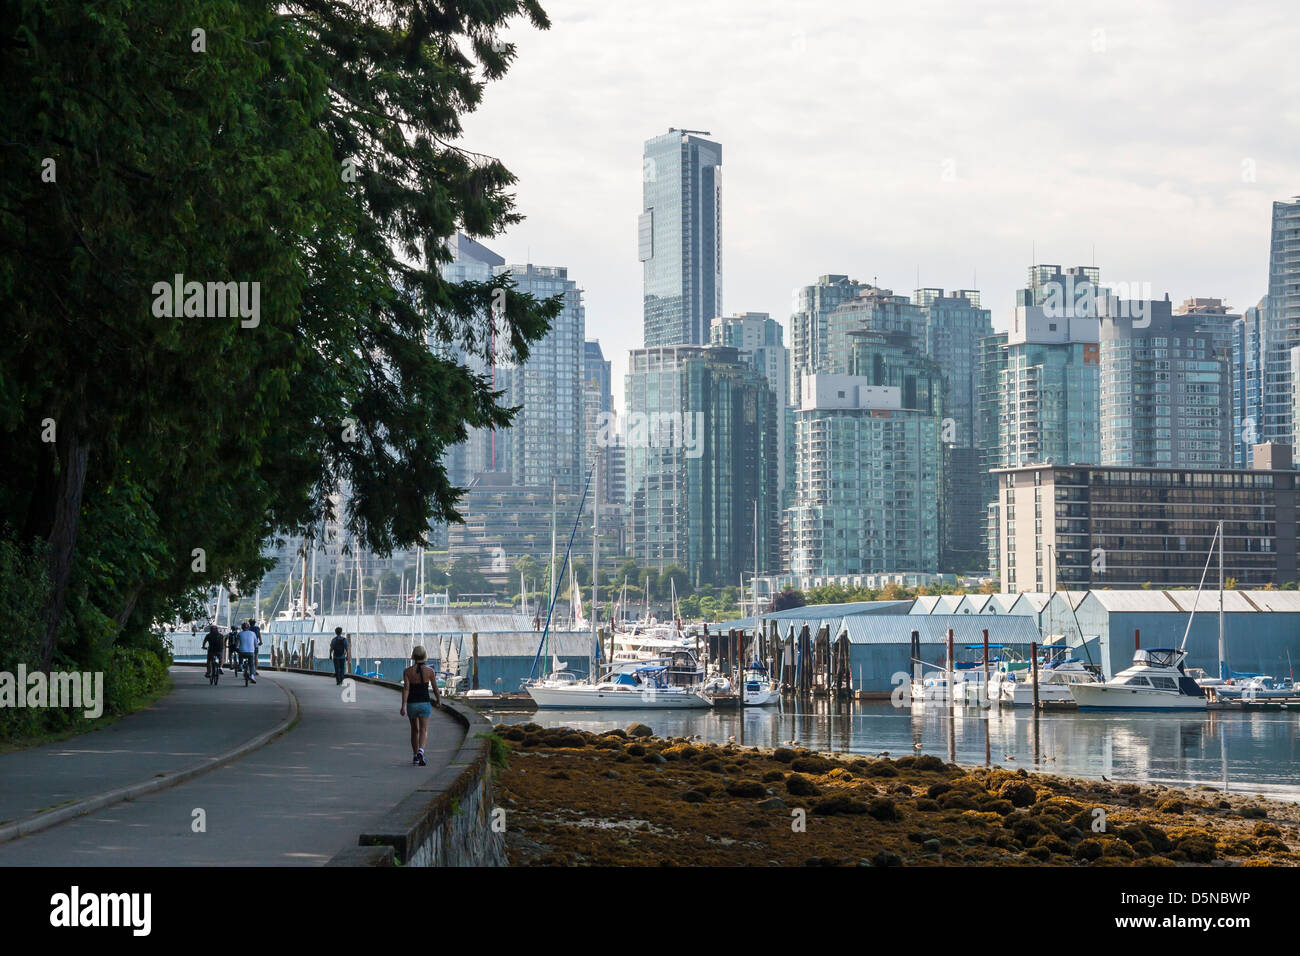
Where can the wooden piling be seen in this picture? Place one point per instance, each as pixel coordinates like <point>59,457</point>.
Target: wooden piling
<point>952,698</point>
<point>987,688</point>
<point>474,664</point>
<point>1033,663</point>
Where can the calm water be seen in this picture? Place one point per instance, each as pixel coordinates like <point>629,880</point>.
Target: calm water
<point>1243,752</point>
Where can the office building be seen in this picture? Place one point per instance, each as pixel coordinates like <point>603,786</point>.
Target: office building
<point>868,472</point>
<point>955,325</point>
<point>1166,387</point>
<point>701,454</point>
<point>547,436</point>
<point>1080,527</point>
<point>680,237</point>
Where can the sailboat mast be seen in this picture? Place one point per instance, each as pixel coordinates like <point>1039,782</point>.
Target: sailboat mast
<point>551,582</point>
<point>754,583</point>
<point>595,569</point>
<point>1223,659</point>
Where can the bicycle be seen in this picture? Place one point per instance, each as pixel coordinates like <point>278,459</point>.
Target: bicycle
<point>247,667</point>
<point>214,670</point>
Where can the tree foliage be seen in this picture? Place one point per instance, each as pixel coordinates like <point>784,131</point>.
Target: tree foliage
<point>309,148</point>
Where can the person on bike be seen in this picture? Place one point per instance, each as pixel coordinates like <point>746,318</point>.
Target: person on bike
<point>416,683</point>
<point>232,646</point>
<point>215,642</point>
<point>248,644</point>
<point>339,654</point>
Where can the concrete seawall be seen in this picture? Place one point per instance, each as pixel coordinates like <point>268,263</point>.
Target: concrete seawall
<point>447,822</point>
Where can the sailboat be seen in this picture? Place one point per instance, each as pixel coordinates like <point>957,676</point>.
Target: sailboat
<point>1157,679</point>
<point>668,682</point>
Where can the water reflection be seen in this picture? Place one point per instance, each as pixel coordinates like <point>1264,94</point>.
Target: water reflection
<point>1244,752</point>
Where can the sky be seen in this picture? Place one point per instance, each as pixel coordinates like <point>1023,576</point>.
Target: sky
<point>957,141</point>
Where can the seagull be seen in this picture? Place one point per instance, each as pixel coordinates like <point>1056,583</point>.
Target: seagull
<point>792,741</point>
<point>731,739</point>
<point>1008,756</point>
<point>884,753</point>
<point>917,746</point>
<point>1104,777</point>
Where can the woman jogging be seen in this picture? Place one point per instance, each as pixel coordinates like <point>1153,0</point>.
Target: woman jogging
<point>416,706</point>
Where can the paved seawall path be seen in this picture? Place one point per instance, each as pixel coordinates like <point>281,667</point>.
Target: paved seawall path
<point>297,799</point>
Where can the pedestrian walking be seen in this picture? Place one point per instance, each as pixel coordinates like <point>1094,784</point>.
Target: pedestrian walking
<point>339,654</point>
<point>417,680</point>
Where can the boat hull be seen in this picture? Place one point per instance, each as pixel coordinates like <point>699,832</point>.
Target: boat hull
<point>574,699</point>
<point>760,698</point>
<point>1110,697</point>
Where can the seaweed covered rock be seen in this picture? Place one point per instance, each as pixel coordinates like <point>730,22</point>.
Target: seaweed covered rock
<point>800,786</point>
<point>956,800</point>
<point>831,806</point>
<point>639,730</point>
<point>1020,793</point>
<point>1054,844</point>
<point>882,808</point>
<point>928,762</point>
<point>1150,834</point>
<point>880,768</point>
<point>694,796</point>
<point>1090,849</point>
<point>1194,843</point>
<point>811,765</point>
<point>773,776</point>
<point>783,755</point>
<point>746,788</point>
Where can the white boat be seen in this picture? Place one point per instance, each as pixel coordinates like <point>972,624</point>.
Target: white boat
<point>757,689</point>
<point>1054,680</point>
<point>933,688</point>
<point>670,683</point>
<point>1256,687</point>
<point>1155,681</point>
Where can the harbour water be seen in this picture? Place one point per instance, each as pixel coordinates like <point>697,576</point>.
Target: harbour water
<point>1236,751</point>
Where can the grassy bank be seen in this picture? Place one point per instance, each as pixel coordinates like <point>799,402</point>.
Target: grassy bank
<point>620,799</point>
<point>134,679</point>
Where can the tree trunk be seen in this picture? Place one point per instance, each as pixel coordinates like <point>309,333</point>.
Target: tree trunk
<point>69,485</point>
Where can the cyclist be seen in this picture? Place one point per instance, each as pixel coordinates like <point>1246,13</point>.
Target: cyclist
<point>248,644</point>
<point>215,642</point>
<point>232,646</point>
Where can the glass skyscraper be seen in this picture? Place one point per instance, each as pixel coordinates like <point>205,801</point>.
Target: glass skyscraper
<point>679,237</point>
<point>1281,331</point>
<point>548,435</point>
<point>1166,389</point>
<point>700,445</point>
<point>868,466</point>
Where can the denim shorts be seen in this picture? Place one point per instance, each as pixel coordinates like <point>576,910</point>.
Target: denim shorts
<point>422,708</point>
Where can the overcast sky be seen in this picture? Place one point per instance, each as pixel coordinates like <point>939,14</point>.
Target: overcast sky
<point>877,140</point>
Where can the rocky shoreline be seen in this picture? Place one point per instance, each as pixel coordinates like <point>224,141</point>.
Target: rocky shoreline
<point>629,798</point>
